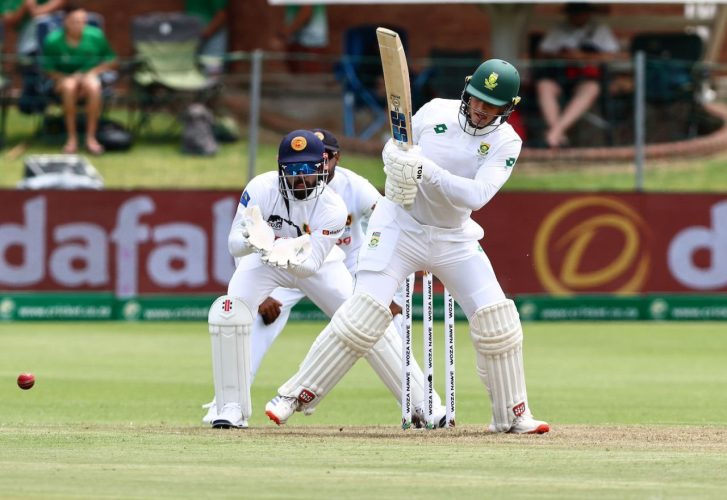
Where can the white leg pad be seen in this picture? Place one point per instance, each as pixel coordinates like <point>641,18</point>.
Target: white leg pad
<point>385,359</point>
<point>497,336</point>
<point>230,323</point>
<point>354,329</point>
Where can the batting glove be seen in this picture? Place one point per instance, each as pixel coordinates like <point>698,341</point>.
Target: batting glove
<point>258,233</point>
<point>401,194</point>
<point>407,166</point>
<point>288,252</point>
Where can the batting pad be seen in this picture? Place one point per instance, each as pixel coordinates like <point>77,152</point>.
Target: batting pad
<point>498,336</point>
<point>230,322</point>
<point>355,327</point>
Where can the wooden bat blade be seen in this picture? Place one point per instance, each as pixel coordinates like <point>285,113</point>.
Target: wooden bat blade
<point>398,91</point>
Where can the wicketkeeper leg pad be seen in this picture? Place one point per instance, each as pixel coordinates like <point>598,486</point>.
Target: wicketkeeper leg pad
<point>498,336</point>
<point>230,323</point>
<point>354,329</point>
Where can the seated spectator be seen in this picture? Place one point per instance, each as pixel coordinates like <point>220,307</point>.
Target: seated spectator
<point>213,48</point>
<point>587,43</point>
<point>19,14</point>
<point>305,33</point>
<point>74,57</point>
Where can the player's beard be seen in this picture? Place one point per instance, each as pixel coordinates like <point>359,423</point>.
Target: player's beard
<point>301,190</point>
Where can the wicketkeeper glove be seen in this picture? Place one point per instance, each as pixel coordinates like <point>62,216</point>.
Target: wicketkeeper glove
<point>258,233</point>
<point>407,166</point>
<point>287,252</point>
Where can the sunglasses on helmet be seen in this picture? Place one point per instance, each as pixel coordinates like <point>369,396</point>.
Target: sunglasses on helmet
<point>301,168</point>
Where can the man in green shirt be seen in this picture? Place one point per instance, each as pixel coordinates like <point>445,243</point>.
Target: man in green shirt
<point>213,47</point>
<point>74,57</point>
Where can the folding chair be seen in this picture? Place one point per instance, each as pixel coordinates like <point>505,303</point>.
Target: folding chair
<point>672,79</point>
<point>359,71</point>
<point>167,74</point>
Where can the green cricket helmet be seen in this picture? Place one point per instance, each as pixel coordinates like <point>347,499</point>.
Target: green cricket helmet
<point>495,82</point>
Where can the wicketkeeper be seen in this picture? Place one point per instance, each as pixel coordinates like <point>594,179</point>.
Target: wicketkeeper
<point>465,153</point>
<point>284,235</point>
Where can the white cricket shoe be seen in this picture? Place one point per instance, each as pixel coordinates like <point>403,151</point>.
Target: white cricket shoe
<point>230,417</point>
<point>525,425</point>
<point>419,417</point>
<point>280,408</point>
<point>211,414</point>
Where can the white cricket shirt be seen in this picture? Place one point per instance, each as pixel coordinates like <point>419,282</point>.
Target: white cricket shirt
<point>473,168</point>
<point>360,197</point>
<point>324,218</point>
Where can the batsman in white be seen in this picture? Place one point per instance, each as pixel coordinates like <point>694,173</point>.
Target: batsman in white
<point>284,235</point>
<point>465,152</point>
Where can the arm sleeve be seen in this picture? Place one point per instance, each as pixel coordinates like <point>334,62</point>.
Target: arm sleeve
<point>551,42</point>
<point>105,51</point>
<point>321,246</point>
<point>605,40</point>
<point>322,240</point>
<point>491,176</point>
<point>417,122</point>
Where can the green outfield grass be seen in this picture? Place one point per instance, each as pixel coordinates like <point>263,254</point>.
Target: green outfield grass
<point>639,410</point>
<point>155,161</point>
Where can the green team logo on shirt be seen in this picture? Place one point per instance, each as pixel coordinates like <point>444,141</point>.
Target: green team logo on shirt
<point>510,162</point>
<point>484,149</point>
<point>440,129</point>
<point>375,239</point>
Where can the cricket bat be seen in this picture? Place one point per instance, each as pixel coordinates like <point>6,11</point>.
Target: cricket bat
<point>398,91</point>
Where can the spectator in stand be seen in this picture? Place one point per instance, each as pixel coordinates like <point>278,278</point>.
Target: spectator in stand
<point>19,14</point>
<point>306,33</point>
<point>585,42</point>
<point>213,48</point>
<point>74,58</point>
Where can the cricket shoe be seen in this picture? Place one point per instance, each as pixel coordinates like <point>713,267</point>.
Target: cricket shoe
<point>211,414</point>
<point>280,408</point>
<point>525,425</point>
<point>230,418</point>
<point>419,417</point>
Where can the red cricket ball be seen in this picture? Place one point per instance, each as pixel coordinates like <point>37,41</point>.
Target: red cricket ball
<point>26,380</point>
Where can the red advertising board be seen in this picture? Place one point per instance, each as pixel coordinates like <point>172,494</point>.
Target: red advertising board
<point>142,242</point>
<point>127,242</point>
<point>570,243</point>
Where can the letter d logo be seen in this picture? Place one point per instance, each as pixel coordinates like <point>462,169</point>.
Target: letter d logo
<point>689,241</point>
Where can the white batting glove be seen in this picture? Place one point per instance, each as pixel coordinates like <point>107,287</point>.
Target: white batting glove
<point>401,194</point>
<point>407,166</point>
<point>288,252</point>
<point>258,233</point>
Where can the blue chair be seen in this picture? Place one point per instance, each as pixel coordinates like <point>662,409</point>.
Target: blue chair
<point>673,80</point>
<point>445,75</point>
<point>359,71</point>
